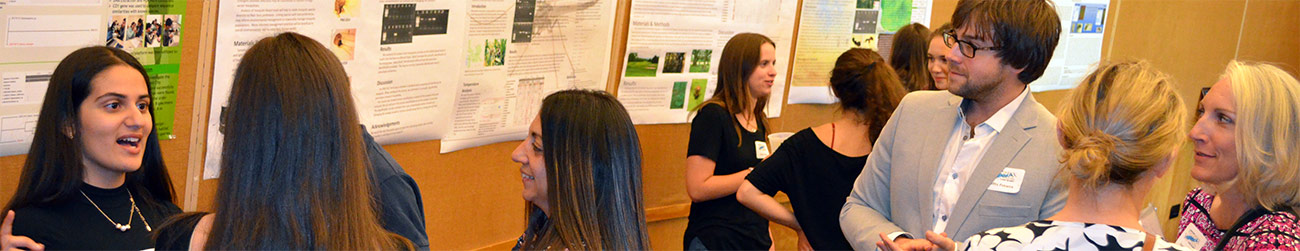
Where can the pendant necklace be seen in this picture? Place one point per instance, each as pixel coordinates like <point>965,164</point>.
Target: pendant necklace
<point>134,210</point>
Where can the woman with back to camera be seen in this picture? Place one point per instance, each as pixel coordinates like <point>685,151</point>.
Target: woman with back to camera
<point>817,166</point>
<point>936,59</point>
<point>94,177</point>
<point>293,162</point>
<point>1247,146</point>
<point>908,57</point>
<point>581,169</point>
<point>728,138</point>
<point>1120,131</point>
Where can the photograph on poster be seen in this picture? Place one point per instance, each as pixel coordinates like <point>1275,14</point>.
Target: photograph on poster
<point>673,62</point>
<point>679,95</point>
<point>700,60</point>
<point>344,44</point>
<point>642,64</point>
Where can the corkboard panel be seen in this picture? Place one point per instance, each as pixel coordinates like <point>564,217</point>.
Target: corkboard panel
<point>472,197</point>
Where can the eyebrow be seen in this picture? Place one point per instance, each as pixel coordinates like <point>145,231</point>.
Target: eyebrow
<point>120,96</point>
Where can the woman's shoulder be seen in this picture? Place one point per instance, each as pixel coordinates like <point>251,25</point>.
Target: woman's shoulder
<point>176,232</point>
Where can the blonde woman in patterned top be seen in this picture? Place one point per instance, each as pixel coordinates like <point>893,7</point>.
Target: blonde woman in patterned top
<point>1247,146</point>
<point>1119,130</point>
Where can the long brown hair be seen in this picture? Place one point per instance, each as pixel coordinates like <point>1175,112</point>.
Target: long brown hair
<point>293,165</point>
<point>866,86</point>
<point>908,54</point>
<point>593,161</point>
<point>739,59</point>
<point>53,170</point>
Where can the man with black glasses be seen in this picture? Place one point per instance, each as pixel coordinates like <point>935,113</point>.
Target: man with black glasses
<point>981,155</point>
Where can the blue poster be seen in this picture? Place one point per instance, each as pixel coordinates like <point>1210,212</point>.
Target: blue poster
<point>1088,18</point>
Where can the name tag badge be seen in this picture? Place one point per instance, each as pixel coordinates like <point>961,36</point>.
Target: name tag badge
<point>760,150</point>
<point>1191,237</point>
<point>1008,181</point>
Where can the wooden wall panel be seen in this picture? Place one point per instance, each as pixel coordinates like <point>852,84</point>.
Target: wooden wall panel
<point>472,197</point>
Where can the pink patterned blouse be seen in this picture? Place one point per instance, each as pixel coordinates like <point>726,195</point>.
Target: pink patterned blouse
<point>1264,230</point>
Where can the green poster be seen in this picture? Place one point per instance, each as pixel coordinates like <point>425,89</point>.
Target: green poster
<point>159,50</point>
<point>895,14</point>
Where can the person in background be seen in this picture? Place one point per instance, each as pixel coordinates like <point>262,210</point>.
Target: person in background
<point>908,57</point>
<point>94,177</point>
<point>728,138</point>
<point>581,170</point>
<point>1247,148</point>
<point>294,171</point>
<point>933,175</point>
<point>401,210</point>
<point>1120,131</point>
<point>816,167</point>
<point>936,57</point>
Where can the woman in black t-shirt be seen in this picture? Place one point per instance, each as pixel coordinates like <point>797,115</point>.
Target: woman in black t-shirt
<point>728,138</point>
<point>817,166</point>
<point>94,177</point>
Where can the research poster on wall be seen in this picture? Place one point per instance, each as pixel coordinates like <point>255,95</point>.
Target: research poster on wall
<point>516,53</point>
<point>37,34</point>
<point>673,48</point>
<point>1079,48</point>
<point>823,36</point>
<point>402,58</point>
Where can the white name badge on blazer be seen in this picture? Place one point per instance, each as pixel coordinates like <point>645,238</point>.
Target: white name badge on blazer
<point>760,150</point>
<point>1008,181</point>
<point>1191,237</point>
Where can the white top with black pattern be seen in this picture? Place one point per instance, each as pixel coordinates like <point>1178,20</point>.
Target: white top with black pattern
<point>1063,235</point>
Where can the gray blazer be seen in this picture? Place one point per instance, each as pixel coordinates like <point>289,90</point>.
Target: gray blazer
<point>894,192</point>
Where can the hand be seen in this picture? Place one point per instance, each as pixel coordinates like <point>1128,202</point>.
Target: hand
<point>940,240</point>
<point>10,242</point>
<point>903,244</point>
<point>803,242</point>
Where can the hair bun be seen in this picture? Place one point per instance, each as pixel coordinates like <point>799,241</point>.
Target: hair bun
<point>1089,157</point>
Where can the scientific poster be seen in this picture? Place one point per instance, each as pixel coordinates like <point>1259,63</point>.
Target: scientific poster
<point>823,36</point>
<point>673,49</point>
<point>1079,50</point>
<point>516,53</point>
<point>36,34</point>
<point>402,57</point>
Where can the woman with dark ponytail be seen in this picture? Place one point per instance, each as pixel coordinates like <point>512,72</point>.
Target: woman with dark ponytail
<point>817,166</point>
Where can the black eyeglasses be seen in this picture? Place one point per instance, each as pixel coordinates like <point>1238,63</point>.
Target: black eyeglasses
<point>966,47</point>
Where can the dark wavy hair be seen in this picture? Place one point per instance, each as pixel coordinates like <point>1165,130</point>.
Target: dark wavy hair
<point>593,161</point>
<point>738,60</point>
<point>867,86</point>
<point>53,172</point>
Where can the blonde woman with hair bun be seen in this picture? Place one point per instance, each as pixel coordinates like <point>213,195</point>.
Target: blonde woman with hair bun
<point>1247,146</point>
<point>1119,130</point>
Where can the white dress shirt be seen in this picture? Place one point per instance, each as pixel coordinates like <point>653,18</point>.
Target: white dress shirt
<point>962,153</point>
<point>960,157</point>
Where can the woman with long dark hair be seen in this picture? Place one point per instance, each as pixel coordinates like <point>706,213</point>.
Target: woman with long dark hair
<point>729,138</point>
<point>817,166</point>
<point>908,57</point>
<point>581,170</point>
<point>293,161</point>
<point>94,177</point>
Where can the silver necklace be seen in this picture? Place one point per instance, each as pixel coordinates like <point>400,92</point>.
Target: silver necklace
<point>134,210</point>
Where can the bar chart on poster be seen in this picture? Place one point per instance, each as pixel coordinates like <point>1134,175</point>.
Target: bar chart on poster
<point>36,35</point>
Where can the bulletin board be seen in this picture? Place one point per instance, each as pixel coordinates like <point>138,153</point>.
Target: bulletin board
<point>472,197</point>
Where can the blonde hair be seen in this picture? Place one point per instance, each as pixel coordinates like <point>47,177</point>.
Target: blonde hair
<point>1122,120</point>
<point>1268,133</point>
